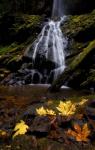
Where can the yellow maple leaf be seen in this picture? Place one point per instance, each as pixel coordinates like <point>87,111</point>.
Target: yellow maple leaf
<point>20,128</point>
<point>50,112</point>
<point>41,111</point>
<point>66,108</point>
<point>80,134</point>
<point>83,101</point>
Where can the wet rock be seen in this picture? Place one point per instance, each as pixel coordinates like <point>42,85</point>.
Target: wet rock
<point>90,110</point>
<point>79,30</point>
<point>64,122</point>
<point>41,126</point>
<point>45,144</point>
<point>28,79</point>
<point>24,143</point>
<point>31,110</point>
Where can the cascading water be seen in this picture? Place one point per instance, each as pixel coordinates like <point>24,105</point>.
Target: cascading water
<point>51,43</point>
<point>46,54</point>
<point>57,8</point>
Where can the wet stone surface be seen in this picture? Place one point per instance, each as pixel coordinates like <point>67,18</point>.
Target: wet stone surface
<point>45,132</point>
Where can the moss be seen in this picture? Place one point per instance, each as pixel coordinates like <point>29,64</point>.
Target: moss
<point>7,49</point>
<point>80,31</point>
<point>22,31</point>
<point>19,27</point>
<point>75,64</point>
<point>90,81</point>
<point>11,49</point>
<point>77,23</point>
<point>26,21</point>
<point>82,55</point>
<point>11,56</point>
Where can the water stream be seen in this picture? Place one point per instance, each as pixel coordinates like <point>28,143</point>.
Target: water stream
<point>51,44</point>
<point>46,54</point>
<point>49,47</point>
<point>58,8</point>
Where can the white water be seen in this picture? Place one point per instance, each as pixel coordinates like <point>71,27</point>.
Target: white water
<point>58,8</point>
<point>51,43</point>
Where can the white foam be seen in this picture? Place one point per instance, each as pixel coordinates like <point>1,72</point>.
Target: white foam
<point>52,43</point>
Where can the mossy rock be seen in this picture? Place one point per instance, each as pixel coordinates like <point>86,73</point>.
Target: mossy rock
<point>80,30</point>
<point>90,80</point>
<point>22,29</point>
<point>79,62</point>
<point>18,27</point>
<point>78,23</point>
<point>11,53</point>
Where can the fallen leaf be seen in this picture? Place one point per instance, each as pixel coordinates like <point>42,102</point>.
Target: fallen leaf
<point>77,128</point>
<point>80,134</point>
<point>20,128</point>
<point>66,108</point>
<point>83,101</point>
<point>50,112</point>
<point>41,111</point>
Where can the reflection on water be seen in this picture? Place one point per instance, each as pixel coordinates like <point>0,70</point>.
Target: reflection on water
<point>35,92</point>
<point>15,101</point>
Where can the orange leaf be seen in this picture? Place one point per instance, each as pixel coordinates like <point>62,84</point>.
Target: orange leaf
<point>78,138</point>
<point>71,133</point>
<point>80,134</point>
<point>77,128</point>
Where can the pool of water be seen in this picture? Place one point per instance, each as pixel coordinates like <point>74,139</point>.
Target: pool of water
<point>31,93</point>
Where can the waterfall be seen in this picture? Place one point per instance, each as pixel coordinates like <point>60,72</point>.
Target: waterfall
<point>50,46</point>
<point>57,8</point>
<point>51,43</point>
<point>44,59</point>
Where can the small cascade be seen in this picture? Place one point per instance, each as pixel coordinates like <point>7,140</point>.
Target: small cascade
<point>47,53</point>
<point>51,45</point>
